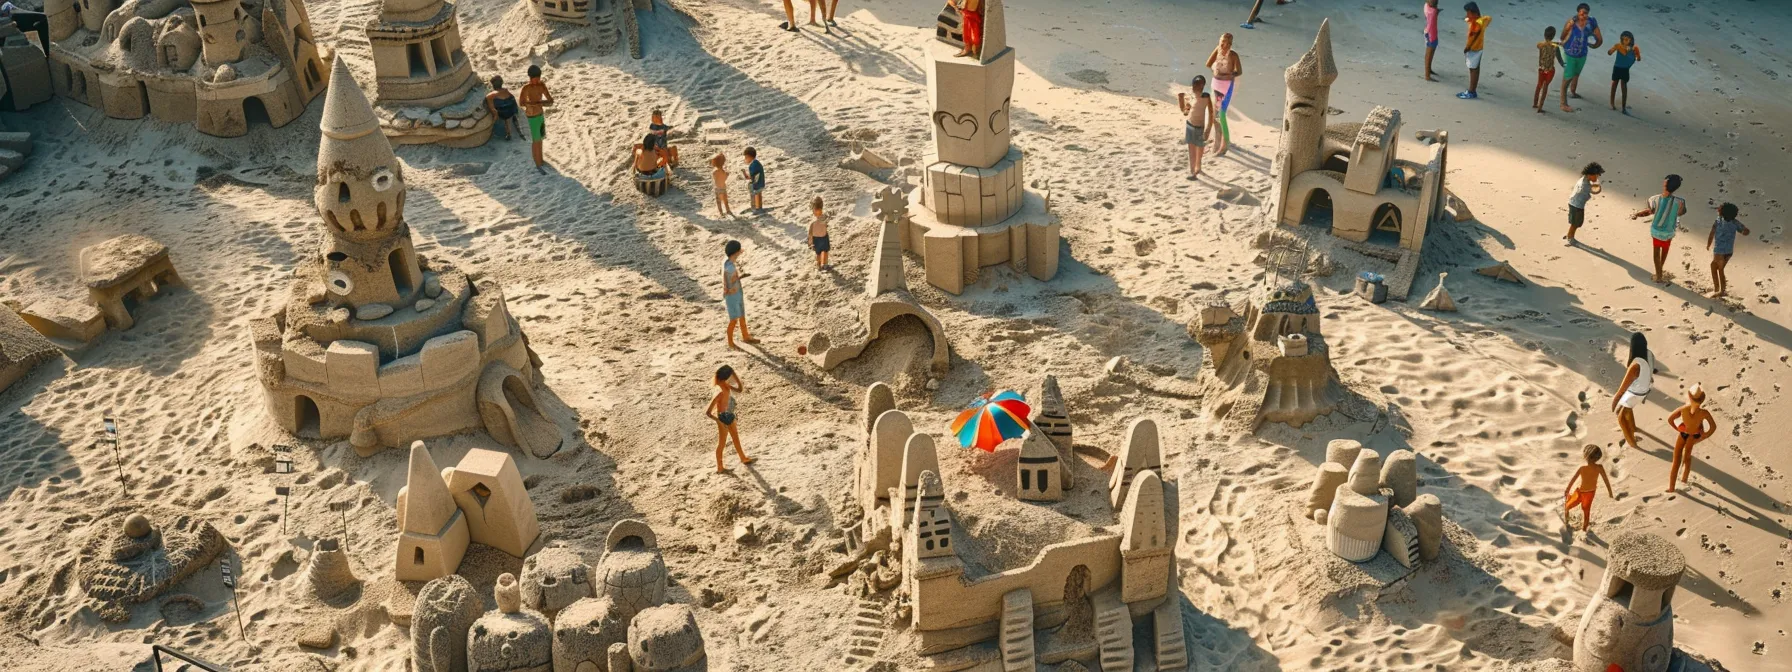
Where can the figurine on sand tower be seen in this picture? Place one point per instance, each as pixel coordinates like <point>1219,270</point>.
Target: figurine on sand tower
<point>972,13</point>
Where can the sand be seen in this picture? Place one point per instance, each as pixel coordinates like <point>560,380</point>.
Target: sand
<point>620,296</point>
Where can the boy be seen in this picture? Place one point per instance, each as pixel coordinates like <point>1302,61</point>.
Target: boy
<point>732,298</point>
<point>972,12</point>
<point>535,96</point>
<point>1588,477</point>
<point>818,235</point>
<point>755,175</point>
<point>502,105</point>
<point>1628,55</point>
<point>659,128</point>
<point>1477,40</point>
<point>1431,12</point>
<point>1695,415</point>
<point>1584,188</point>
<point>1547,57</point>
<point>1197,118</point>
<point>1667,209</point>
<point>1722,243</point>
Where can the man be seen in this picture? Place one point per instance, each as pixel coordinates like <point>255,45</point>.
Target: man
<point>535,97</point>
<point>1579,34</point>
<point>28,21</point>
<point>1251,23</point>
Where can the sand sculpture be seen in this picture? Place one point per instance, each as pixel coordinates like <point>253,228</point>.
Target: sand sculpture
<point>1039,471</point>
<point>666,639</point>
<point>128,559</point>
<point>24,74</point>
<point>1353,166</point>
<point>1082,595</point>
<point>608,21</point>
<point>15,146</point>
<point>584,633</point>
<point>219,64</point>
<point>481,499</point>
<point>1374,505</point>
<point>70,322</point>
<point>973,208</point>
<point>425,87</point>
<point>22,348</point>
<point>445,611</point>
<point>127,267</point>
<point>510,639</point>
<point>1050,417</point>
<point>328,576</point>
<point>632,575</point>
<point>1266,358</point>
<point>555,578</point>
<point>376,343</point>
<point>1629,622</point>
<point>887,298</point>
<point>1439,299</point>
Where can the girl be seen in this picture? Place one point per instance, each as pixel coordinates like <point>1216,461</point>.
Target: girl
<point>1639,379</point>
<point>1197,118</point>
<point>1430,36</point>
<point>732,298</point>
<point>1628,54</point>
<point>1227,67</point>
<point>721,410</point>
<point>1694,426</point>
<point>720,176</point>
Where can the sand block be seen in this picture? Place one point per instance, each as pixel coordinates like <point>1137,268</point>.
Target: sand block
<point>969,102</point>
<point>1401,538</point>
<point>66,320</point>
<point>1139,452</point>
<point>1326,480</point>
<point>352,368</point>
<point>1365,474</point>
<point>1400,473</point>
<point>887,259</point>
<point>1427,514</point>
<point>1355,525</point>
<point>1343,451</point>
<point>489,488</point>
<point>446,359</point>
<point>665,639</point>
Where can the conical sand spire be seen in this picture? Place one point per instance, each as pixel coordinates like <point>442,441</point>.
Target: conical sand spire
<point>347,114</point>
<point>427,504</point>
<point>1317,67</point>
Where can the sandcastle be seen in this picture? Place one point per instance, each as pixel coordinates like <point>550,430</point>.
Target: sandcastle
<point>973,208</point>
<point>554,578</point>
<point>24,77</point>
<point>1266,359</point>
<point>375,342</point>
<point>1076,599</point>
<point>887,297</point>
<point>1374,505</point>
<point>22,349</point>
<point>221,65</point>
<point>1629,622</point>
<point>127,267</point>
<point>425,87</point>
<point>129,559</point>
<point>510,639</point>
<point>1353,168</point>
<point>481,499</point>
<point>1050,417</point>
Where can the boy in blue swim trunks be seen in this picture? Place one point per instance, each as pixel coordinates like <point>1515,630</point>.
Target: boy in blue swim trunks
<point>755,174</point>
<point>818,235</point>
<point>732,297</point>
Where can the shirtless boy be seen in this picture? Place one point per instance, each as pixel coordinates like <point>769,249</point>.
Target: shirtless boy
<point>1588,477</point>
<point>535,99</point>
<point>1690,421</point>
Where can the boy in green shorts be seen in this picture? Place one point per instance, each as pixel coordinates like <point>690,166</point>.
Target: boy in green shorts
<point>535,96</point>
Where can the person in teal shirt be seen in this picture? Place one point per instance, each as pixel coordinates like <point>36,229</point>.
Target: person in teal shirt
<point>1666,208</point>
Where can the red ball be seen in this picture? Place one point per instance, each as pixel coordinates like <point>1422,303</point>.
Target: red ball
<point>802,349</point>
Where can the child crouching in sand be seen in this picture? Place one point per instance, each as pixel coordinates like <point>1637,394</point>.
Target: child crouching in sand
<point>1588,477</point>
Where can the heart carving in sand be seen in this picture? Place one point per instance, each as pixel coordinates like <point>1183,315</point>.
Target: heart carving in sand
<point>998,120</point>
<point>961,127</point>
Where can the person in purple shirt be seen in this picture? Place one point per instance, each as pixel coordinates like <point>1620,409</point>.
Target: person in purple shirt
<point>1579,34</point>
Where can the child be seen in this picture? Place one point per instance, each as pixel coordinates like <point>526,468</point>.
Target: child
<point>732,297</point>
<point>1477,40</point>
<point>1722,243</point>
<point>972,13</point>
<point>720,176</point>
<point>1639,381</point>
<point>755,175</point>
<point>1628,54</point>
<point>818,235</point>
<point>1430,36</point>
<point>1547,57</point>
<point>1227,68</point>
<point>535,97</point>
<point>1584,188</point>
<point>503,106</point>
<point>658,127</point>
<point>1588,477</point>
<point>1197,118</point>
<point>1695,415</point>
<point>721,410</point>
<point>1667,209</point>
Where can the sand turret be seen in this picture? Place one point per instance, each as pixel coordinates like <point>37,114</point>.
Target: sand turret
<point>432,533</point>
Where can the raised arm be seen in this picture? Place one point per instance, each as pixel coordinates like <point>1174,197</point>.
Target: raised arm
<point>1637,52</point>
<point>1598,38</point>
<point>1213,56</point>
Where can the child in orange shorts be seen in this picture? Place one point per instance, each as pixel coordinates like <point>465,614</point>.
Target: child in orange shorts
<point>1588,477</point>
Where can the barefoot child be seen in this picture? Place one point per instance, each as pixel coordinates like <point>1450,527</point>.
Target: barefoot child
<point>972,13</point>
<point>1692,429</point>
<point>1477,40</point>
<point>1666,208</point>
<point>755,174</point>
<point>720,176</point>
<point>1628,54</point>
<point>1639,380</point>
<point>731,294</point>
<point>1584,188</point>
<point>721,410</point>
<point>1548,55</point>
<point>502,105</point>
<point>535,98</point>
<point>818,235</point>
<point>1197,118</point>
<point>1588,477</point>
<point>1430,36</point>
<point>1722,243</point>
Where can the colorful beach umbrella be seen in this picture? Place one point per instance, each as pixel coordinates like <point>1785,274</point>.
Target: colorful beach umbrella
<point>991,420</point>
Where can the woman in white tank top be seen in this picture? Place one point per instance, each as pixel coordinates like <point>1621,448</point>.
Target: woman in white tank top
<point>1639,379</point>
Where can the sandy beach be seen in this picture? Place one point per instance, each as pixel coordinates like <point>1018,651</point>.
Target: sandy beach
<point>620,295</point>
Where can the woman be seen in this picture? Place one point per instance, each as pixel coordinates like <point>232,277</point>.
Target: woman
<point>721,410</point>
<point>1226,69</point>
<point>1639,379</point>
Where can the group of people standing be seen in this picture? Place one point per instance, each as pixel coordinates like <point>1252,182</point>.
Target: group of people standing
<point>1567,48</point>
<point>1204,112</point>
<point>534,99</point>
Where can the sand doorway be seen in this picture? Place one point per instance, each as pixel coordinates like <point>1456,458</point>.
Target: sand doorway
<point>1080,619</point>
<point>1318,210</point>
<point>305,417</point>
<point>255,112</point>
<point>401,272</point>
<point>1384,227</point>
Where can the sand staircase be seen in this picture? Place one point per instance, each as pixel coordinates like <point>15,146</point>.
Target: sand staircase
<point>1172,648</point>
<point>1017,631</point>
<point>867,634</point>
<point>14,147</point>
<point>1113,630</point>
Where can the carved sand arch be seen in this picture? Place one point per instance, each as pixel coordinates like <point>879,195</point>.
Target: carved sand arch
<point>511,413</point>
<point>879,312</point>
